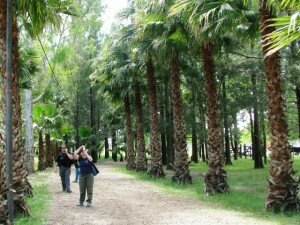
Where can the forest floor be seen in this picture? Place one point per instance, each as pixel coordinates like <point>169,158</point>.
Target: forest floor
<point>121,199</point>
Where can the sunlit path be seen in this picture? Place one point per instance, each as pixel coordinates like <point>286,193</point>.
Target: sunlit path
<point>120,199</point>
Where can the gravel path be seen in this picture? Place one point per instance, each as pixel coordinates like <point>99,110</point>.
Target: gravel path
<point>120,199</point>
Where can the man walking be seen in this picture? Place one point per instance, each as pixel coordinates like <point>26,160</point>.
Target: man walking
<point>64,161</point>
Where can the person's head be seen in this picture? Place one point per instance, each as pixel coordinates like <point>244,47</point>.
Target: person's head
<point>83,151</point>
<point>63,148</point>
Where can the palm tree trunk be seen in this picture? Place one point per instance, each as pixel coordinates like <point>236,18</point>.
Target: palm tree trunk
<point>194,157</point>
<point>49,151</point>
<point>106,146</point>
<point>283,188</point>
<point>226,126</point>
<point>181,164</point>
<point>42,155</point>
<point>21,184</point>
<point>297,92</point>
<point>129,136</point>
<point>156,169</point>
<point>216,178</point>
<point>93,125</point>
<point>169,125</point>
<point>258,162</point>
<point>114,145</point>
<point>141,164</point>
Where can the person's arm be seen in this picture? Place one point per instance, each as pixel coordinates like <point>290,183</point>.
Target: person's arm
<point>89,157</point>
<point>76,156</point>
<point>69,155</point>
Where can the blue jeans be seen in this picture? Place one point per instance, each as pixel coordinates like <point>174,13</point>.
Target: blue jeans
<point>76,173</point>
<point>64,173</point>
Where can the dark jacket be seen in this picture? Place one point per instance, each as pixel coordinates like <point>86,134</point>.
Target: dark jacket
<point>63,160</point>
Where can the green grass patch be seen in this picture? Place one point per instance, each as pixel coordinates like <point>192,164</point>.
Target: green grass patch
<point>39,204</point>
<point>248,193</point>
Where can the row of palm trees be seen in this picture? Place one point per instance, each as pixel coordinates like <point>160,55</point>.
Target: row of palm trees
<point>163,34</point>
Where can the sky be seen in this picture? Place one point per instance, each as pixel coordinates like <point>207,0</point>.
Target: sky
<point>113,7</point>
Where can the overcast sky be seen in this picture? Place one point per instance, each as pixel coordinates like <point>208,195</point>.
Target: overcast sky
<point>113,7</point>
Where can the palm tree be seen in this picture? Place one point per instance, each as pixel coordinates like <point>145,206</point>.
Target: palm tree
<point>283,188</point>
<point>202,12</point>
<point>115,72</point>
<point>144,37</point>
<point>36,21</point>
<point>169,44</point>
<point>156,170</point>
<point>141,164</point>
<point>20,182</point>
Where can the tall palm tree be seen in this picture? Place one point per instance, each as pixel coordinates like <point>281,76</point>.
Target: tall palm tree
<point>144,37</point>
<point>156,169</point>
<point>114,71</point>
<point>171,44</point>
<point>200,13</point>
<point>42,14</point>
<point>20,182</point>
<point>283,188</point>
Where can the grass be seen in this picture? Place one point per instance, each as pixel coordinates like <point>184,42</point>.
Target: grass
<point>248,190</point>
<point>39,204</point>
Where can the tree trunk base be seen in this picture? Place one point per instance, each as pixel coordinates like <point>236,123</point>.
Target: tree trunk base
<point>216,182</point>
<point>131,166</point>
<point>140,167</point>
<point>20,207</point>
<point>283,195</point>
<point>156,171</point>
<point>182,177</point>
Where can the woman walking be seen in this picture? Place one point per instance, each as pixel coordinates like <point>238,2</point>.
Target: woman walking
<point>86,177</point>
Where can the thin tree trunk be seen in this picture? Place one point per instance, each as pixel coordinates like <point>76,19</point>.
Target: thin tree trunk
<point>106,146</point>
<point>169,126</point>
<point>258,162</point>
<point>29,153</point>
<point>129,135</point>
<point>297,92</point>
<point>141,163</point>
<point>216,178</point>
<point>42,155</point>
<point>77,137</point>
<point>163,130</point>
<point>283,188</point>
<point>252,133</point>
<point>114,145</point>
<point>93,126</point>
<point>194,130</point>
<point>226,128</point>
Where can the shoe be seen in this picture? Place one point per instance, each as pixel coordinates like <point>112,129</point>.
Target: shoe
<point>88,204</point>
<point>80,204</point>
<point>74,181</point>
<point>69,191</point>
<point>64,189</point>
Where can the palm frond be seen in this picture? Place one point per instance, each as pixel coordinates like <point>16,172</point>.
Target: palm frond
<point>287,31</point>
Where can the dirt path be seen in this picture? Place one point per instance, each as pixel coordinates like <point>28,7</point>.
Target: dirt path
<point>120,199</point>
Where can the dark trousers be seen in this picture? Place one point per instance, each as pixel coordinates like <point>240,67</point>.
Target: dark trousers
<point>64,173</point>
<point>86,183</point>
